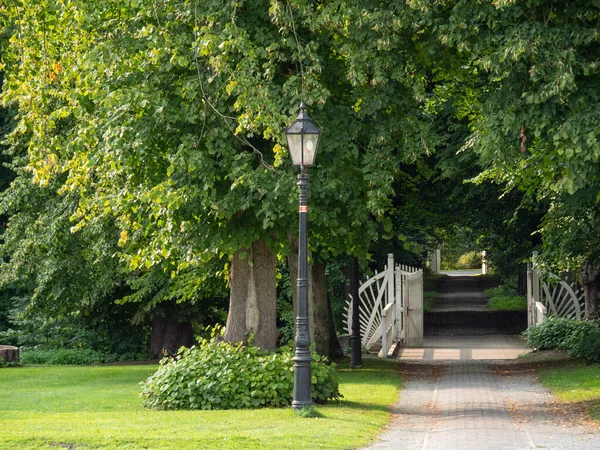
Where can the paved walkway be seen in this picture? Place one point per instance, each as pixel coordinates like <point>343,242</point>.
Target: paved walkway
<point>470,406</point>
<point>465,348</point>
<point>456,398</point>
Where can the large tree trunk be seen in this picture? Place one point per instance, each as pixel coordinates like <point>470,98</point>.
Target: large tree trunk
<point>320,308</point>
<point>318,304</point>
<point>168,336</point>
<point>590,279</point>
<point>253,297</point>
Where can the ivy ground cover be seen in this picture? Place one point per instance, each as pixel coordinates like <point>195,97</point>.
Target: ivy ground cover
<point>98,407</point>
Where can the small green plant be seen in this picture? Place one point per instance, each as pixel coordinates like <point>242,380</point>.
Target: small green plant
<point>580,339</point>
<point>9,364</point>
<point>495,292</point>
<point>309,412</point>
<point>428,299</point>
<point>507,303</point>
<point>220,375</point>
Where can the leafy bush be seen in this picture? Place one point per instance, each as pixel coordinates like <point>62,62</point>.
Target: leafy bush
<point>508,303</point>
<point>580,339</point>
<point>76,356</point>
<point>470,260</point>
<point>495,291</point>
<point>61,356</point>
<point>550,335</point>
<point>219,375</point>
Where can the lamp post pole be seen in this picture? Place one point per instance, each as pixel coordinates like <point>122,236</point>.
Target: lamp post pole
<point>355,338</point>
<point>303,140</point>
<point>302,358</point>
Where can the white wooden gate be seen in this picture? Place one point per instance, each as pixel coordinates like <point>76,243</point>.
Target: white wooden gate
<point>549,295</point>
<point>412,291</point>
<point>391,308</point>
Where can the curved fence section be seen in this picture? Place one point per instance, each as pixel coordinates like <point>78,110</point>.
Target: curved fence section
<point>559,297</point>
<point>391,308</point>
<point>372,300</point>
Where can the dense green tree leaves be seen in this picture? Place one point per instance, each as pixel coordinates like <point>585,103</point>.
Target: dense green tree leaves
<point>149,140</point>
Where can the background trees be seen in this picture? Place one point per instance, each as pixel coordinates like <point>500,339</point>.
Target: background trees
<point>152,175</point>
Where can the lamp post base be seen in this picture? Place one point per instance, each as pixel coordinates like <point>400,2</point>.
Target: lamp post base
<point>302,379</point>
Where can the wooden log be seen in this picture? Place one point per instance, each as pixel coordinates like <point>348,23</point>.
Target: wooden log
<point>9,354</point>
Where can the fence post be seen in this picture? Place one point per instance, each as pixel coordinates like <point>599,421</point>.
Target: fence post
<point>484,265</point>
<point>390,284</point>
<point>535,292</point>
<point>399,303</point>
<point>384,343</point>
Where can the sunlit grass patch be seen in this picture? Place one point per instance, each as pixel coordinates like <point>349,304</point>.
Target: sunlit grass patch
<point>575,382</point>
<point>98,407</point>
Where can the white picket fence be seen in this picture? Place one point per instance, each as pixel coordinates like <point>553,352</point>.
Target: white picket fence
<point>550,295</point>
<point>391,308</point>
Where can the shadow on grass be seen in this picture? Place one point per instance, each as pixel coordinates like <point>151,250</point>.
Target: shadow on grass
<point>359,405</point>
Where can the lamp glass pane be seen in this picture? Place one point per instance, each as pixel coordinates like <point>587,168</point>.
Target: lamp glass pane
<point>311,141</point>
<point>295,148</point>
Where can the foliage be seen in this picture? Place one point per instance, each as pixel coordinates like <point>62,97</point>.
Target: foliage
<point>62,404</point>
<point>505,298</point>
<point>507,303</point>
<point>77,356</point>
<point>207,125</point>
<point>470,260</point>
<point>101,332</point>
<point>149,143</point>
<point>525,77</point>
<point>286,316</point>
<point>428,299</point>
<point>220,375</point>
<point>580,339</point>
<point>6,365</point>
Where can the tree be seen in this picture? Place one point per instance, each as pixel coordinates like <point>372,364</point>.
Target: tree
<point>158,128</point>
<point>526,76</point>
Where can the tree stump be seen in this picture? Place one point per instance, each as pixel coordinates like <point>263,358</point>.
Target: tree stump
<point>9,354</point>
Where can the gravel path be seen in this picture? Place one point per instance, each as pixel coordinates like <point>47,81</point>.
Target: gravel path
<point>468,405</point>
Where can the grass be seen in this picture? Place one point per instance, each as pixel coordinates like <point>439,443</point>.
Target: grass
<point>428,299</point>
<point>575,383</point>
<point>507,303</point>
<point>98,407</point>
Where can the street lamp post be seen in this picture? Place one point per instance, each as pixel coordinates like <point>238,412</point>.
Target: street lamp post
<point>355,338</point>
<point>303,140</point>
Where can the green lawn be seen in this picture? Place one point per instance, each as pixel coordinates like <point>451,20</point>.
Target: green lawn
<point>576,382</point>
<point>98,407</point>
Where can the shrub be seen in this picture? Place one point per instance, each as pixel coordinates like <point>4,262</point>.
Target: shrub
<point>508,303</point>
<point>471,260</point>
<point>495,292</point>
<point>219,375</point>
<point>61,356</point>
<point>550,334</point>
<point>77,356</point>
<point>580,339</point>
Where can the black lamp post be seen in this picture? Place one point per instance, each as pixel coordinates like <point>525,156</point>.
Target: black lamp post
<point>303,140</point>
<point>355,338</point>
